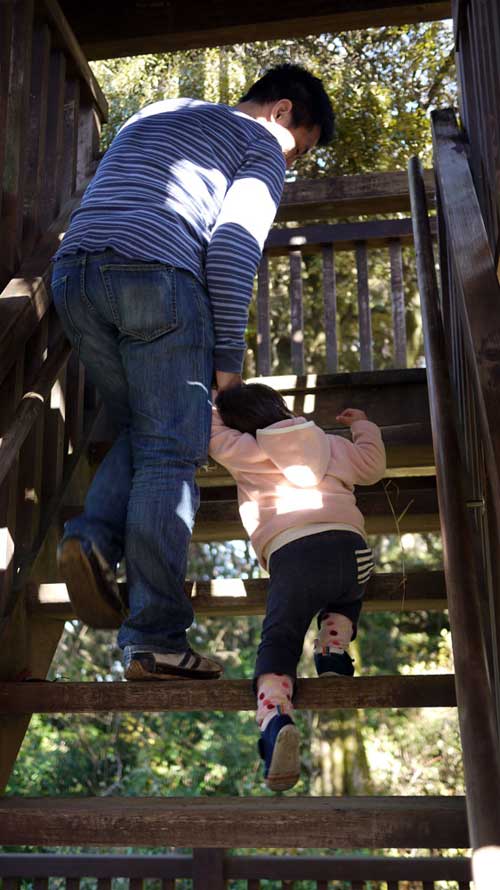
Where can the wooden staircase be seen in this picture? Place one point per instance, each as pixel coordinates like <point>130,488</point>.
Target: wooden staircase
<point>52,441</point>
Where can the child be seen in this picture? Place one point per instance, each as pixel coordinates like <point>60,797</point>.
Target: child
<point>295,492</point>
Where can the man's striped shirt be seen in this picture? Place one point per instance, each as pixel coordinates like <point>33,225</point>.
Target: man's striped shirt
<point>194,185</point>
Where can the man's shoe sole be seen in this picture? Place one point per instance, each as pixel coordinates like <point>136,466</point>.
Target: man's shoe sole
<point>92,602</point>
<point>136,671</point>
<point>284,770</point>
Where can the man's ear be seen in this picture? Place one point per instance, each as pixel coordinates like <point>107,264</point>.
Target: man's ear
<point>281,112</point>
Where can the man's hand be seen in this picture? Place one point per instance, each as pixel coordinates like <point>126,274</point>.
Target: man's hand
<point>226,379</point>
<point>348,416</point>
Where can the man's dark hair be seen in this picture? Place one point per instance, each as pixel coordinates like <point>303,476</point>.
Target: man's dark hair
<point>310,104</point>
<point>249,407</point>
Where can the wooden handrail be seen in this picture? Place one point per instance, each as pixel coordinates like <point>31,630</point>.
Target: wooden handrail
<point>474,693</point>
<point>344,236</point>
<point>375,868</point>
<point>32,405</point>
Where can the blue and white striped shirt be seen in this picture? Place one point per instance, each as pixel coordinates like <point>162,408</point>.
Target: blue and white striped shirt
<point>194,185</point>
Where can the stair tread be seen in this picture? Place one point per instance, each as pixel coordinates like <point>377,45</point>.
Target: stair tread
<point>235,596</point>
<point>393,399</point>
<point>373,822</point>
<point>398,691</point>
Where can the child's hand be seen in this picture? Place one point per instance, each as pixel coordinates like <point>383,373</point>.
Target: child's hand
<point>350,415</point>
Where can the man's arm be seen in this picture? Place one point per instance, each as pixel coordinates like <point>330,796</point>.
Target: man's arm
<point>236,244</point>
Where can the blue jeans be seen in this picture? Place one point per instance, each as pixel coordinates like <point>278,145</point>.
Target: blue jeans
<point>144,333</point>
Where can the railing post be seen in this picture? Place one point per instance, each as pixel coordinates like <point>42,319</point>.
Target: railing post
<point>296,312</point>
<point>365,322</point>
<point>330,307</point>
<point>263,320</point>
<point>208,869</point>
<point>475,703</point>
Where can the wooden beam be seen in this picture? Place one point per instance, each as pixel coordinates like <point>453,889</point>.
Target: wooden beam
<point>344,236</point>
<point>27,647</point>
<point>224,695</point>
<point>349,868</point>
<point>208,869</point>
<point>339,822</point>
<point>164,27</point>
<point>341,196</point>
<point>255,867</point>
<point>50,865</point>
<point>218,517</point>
<point>232,596</point>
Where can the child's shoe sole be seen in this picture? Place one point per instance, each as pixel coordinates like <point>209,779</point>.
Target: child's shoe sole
<point>334,674</point>
<point>284,770</point>
<point>93,599</point>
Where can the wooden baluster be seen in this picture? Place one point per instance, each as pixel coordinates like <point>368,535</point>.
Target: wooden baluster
<point>10,394</point>
<point>428,885</point>
<point>168,884</point>
<point>75,404</point>
<point>398,304</point>
<point>208,869</point>
<point>10,883</point>
<point>357,885</point>
<point>6,10</point>
<point>287,885</point>
<point>54,433</point>
<point>330,308</point>
<point>392,885</point>
<point>35,155</point>
<point>263,319</point>
<point>50,193</point>
<point>72,884</point>
<point>40,883</point>
<point>70,139</point>
<point>253,884</point>
<point>105,884</point>
<point>16,129</point>
<point>365,322</point>
<point>89,132</point>
<point>321,885</point>
<point>296,311</point>
<point>133,884</point>
<point>31,454</point>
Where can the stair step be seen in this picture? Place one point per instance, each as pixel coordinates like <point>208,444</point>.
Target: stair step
<point>338,822</point>
<point>408,447</point>
<point>233,596</point>
<point>392,399</point>
<point>39,697</point>
<point>414,499</point>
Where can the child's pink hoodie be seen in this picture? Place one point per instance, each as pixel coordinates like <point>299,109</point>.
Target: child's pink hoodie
<point>294,475</point>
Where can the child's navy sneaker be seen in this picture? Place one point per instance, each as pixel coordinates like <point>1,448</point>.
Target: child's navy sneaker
<point>279,746</point>
<point>334,664</point>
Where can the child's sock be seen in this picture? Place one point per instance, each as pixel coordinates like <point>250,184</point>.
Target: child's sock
<point>274,696</point>
<point>335,634</point>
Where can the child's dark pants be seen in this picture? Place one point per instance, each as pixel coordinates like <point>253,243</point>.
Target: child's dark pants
<point>309,576</point>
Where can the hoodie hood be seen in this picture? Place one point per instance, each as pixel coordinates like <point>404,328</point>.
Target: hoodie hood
<point>299,449</point>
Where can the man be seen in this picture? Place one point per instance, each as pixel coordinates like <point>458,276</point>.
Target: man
<point>152,282</point>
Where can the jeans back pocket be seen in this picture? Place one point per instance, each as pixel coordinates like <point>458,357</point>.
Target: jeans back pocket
<point>141,298</point>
